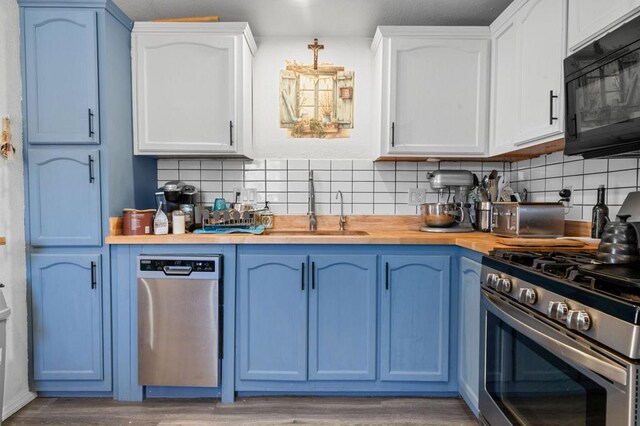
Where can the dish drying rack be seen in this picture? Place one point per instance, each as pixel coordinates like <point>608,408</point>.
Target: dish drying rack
<point>230,218</point>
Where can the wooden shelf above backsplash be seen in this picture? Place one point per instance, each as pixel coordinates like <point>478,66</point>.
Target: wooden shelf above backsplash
<point>521,154</point>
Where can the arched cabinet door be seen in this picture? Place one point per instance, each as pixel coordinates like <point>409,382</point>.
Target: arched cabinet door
<point>414,325</point>
<point>185,93</point>
<point>66,309</point>
<point>64,197</point>
<point>342,317</point>
<point>272,320</point>
<point>61,76</point>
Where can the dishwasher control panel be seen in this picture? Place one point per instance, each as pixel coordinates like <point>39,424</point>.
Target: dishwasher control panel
<point>200,267</point>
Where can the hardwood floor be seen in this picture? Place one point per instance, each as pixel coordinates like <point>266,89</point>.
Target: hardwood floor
<point>246,411</point>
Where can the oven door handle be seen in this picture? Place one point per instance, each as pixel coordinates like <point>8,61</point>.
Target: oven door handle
<point>525,325</point>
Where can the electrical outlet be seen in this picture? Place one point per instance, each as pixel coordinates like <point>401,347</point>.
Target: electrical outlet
<point>417,196</point>
<point>568,200</point>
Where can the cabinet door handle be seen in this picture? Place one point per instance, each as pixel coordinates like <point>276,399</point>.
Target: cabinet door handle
<point>393,134</point>
<point>386,273</point>
<point>91,132</point>
<point>313,275</point>
<point>231,133</point>
<point>91,177</point>
<point>94,279</point>
<point>551,98</point>
<point>302,277</point>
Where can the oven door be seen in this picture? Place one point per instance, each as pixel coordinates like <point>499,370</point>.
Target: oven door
<point>534,373</point>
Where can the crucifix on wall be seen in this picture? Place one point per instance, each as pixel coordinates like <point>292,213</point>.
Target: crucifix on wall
<point>315,47</point>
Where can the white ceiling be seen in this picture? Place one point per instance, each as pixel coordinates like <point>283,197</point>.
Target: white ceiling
<point>339,18</point>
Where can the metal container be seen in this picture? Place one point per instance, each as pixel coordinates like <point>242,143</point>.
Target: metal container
<point>483,216</point>
<point>529,220</point>
<point>137,222</point>
<point>441,215</point>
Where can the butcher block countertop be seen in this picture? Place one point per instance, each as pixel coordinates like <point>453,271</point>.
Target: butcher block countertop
<point>290,229</point>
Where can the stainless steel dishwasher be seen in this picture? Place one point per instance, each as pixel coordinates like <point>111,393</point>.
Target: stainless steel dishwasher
<point>179,320</point>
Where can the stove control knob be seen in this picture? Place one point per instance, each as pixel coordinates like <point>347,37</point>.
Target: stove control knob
<point>503,285</point>
<point>557,311</point>
<point>492,279</point>
<point>528,296</point>
<point>578,320</point>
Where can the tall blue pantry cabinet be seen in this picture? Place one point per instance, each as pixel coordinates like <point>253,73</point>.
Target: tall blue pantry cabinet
<point>80,169</point>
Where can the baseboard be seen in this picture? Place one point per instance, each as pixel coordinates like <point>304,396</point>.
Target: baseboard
<point>18,402</point>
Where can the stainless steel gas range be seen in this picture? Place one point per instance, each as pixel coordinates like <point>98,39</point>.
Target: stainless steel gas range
<point>560,340</point>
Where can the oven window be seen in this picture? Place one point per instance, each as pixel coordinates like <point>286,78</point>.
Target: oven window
<point>607,95</point>
<point>533,387</point>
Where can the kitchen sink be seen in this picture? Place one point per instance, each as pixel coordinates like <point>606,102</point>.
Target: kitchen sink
<point>318,233</point>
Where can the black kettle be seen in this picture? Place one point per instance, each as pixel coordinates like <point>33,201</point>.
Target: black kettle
<point>619,243</point>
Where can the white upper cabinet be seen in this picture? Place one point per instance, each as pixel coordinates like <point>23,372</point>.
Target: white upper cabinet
<point>192,88</point>
<point>432,89</point>
<point>528,44</point>
<point>589,19</point>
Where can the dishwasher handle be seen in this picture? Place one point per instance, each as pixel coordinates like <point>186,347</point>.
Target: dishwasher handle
<point>177,270</point>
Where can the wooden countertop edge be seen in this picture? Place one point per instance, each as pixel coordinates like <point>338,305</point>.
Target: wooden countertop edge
<point>476,241</point>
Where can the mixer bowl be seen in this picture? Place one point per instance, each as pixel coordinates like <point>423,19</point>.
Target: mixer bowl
<point>441,215</point>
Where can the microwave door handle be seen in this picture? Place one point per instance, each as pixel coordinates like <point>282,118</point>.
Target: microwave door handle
<point>518,322</point>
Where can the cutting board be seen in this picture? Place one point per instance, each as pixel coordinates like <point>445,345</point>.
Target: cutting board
<point>190,19</point>
<point>539,242</point>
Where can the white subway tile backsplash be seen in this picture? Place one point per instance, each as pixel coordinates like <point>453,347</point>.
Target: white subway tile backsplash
<point>165,163</point>
<point>362,175</point>
<point>595,166</point>
<point>341,165</point>
<point>362,165</point>
<point>277,186</point>
<point>211,164</point>
<point>320,164</point>
<point>276,164</point>
<point>255,175</point>
<point>341,175</point>
<point>382,187</point>
<point>298,165</point>
<point>406,176</point>
<point>276,175</point>
<point>189,164</point>
<point>299,175</point>
<point>189,175</point>
<point>165,175</point>
<point>362,186</point>
<point>622,179</point>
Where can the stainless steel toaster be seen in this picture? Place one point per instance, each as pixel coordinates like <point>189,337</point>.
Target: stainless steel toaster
<point>528,220</point>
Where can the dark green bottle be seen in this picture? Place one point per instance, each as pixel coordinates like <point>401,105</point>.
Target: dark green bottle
<point>599,215</point>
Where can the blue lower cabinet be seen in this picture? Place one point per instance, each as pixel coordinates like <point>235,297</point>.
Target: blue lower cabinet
<point>272,317</point>
<point>469,332</point>
<point>414,328</point>
<point>66,307</point>
<point>342,317</point>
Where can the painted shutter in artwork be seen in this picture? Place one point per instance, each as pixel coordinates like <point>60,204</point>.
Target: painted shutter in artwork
<point>344,105</point>
<point>288,107</point>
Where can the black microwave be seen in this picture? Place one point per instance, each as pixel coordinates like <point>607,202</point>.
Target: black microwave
<point>602,87</point>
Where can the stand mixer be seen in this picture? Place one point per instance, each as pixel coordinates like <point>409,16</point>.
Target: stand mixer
<point>450,216</point>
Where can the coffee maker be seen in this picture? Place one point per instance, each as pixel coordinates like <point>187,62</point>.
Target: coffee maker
<point>173,194</point>
<point>454,215</point>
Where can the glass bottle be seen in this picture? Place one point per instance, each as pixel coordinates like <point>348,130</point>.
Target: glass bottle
<point>599,215</point>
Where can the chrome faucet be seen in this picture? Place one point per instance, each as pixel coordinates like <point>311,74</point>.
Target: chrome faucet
<point>313,223</point>
<point>343,218</point>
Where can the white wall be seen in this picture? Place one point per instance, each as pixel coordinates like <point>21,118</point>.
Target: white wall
<point>270,141</point>
<point>12,256</point>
